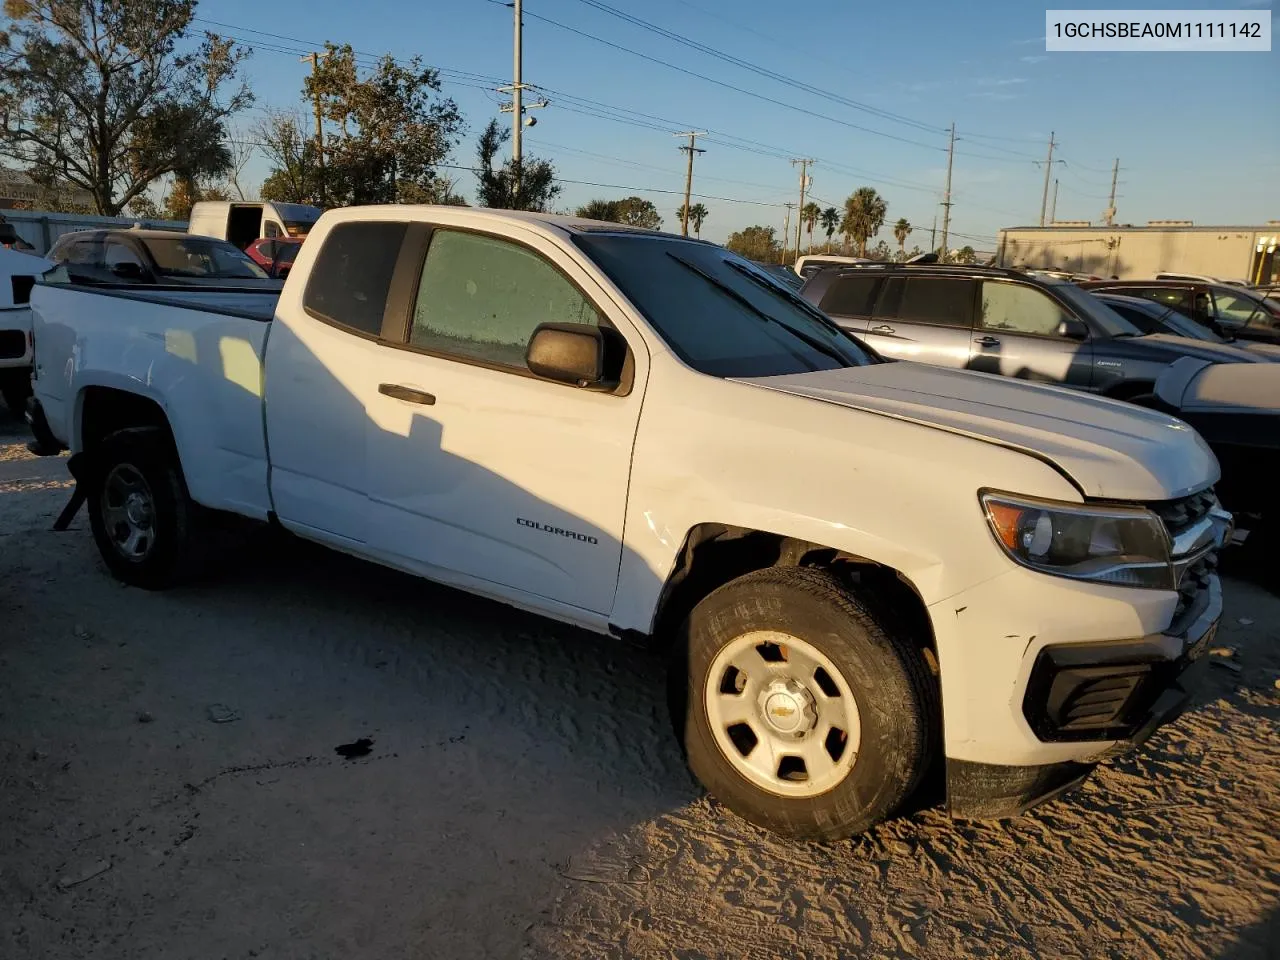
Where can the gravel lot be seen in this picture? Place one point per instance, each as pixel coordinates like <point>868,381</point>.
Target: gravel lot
<point>169,788</point>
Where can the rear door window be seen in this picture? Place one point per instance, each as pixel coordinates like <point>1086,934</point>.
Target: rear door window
<point>351,275</point>
<point>850,296</point>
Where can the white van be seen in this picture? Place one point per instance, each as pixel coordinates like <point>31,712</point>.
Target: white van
<point>243,223</point>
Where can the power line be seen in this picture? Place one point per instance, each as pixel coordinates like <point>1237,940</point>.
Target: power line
<point>726,85</point>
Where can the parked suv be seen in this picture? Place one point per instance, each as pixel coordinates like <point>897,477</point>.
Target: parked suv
<point>1001,321</point>
<point>1227,310</point>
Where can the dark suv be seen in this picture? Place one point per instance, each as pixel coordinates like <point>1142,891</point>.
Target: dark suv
<point>1227,310</point>
<point>1005,322</point>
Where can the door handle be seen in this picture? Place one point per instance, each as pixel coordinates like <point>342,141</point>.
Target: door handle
<point>883,328</point>
<point>987,341</point>
<point>408,394</point>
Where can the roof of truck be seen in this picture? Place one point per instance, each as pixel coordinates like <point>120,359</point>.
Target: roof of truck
<point>564,222</point>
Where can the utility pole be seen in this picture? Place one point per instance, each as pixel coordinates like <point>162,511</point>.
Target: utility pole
<point>314,59</point>
<point>946,197</point>
<point>517,87</point>
<point>804,182</point>
<point>786,231</point>
<point>1111,204</point>
<point>690,148</point>
<point>1048,168</point>
<point>1053,207</point>
<point>933,234</point>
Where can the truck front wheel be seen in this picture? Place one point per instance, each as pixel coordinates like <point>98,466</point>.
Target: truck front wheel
<point>798,709</point>
<point>143,519</point>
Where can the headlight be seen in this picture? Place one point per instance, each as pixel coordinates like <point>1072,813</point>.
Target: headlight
<point>1122,545</point>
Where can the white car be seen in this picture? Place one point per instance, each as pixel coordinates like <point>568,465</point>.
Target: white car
<point>1201,278</point>
<point>863,571</point>
<point>18,273</point>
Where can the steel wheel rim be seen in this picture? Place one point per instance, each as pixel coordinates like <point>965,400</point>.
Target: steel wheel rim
<point>128,512</point>
<point>803,722</point>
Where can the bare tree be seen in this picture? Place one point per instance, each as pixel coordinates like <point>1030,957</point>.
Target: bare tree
<point>241,151</point>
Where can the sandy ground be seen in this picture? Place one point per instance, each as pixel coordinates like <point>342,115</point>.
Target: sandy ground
<point>169,788</point>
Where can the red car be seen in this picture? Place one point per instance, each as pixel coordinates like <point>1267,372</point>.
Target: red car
<point>274,254</point>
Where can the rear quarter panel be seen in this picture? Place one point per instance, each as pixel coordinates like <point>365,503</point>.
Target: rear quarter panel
<point>203,369</point>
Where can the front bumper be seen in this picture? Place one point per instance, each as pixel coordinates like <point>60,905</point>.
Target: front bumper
<point>1076,703</point>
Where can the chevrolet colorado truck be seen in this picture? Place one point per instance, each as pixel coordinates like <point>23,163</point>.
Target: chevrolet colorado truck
<point>867,573</point>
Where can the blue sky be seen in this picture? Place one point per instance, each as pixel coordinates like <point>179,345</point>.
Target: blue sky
<point>1196,133</point>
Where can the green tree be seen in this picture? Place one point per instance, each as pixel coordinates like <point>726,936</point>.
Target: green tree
<point>183,194</point>
<point>638,212</point>
<point>830,218</point>
<point>809,216</point>
<point>599,210</point>
<point>633,211</point>
<point>394,128</point>
<point>531,185</point>
<point>756,243</point>
<point>966,254</point>
<point>881,251</point>
<point>901,230</point>
<point>864,213</point>
<point>97,93</point>
<point>697,216</point>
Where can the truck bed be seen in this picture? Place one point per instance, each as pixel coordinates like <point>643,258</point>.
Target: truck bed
<point>196,352</point>
<point>250,303</point>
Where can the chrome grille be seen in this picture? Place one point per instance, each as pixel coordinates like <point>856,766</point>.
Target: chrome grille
<point>1178,515</point>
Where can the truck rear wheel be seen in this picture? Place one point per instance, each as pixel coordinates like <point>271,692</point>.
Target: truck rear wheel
<point>798,709</point>
<point>143,519</point>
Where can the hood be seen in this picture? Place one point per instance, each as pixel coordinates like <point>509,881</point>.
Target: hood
<point>1200,349</point>
<point>1108,449</point>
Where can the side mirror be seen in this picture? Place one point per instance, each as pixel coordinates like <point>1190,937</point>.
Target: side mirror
<point>126,270</point>
<point>1072,329</point>
<point>576,353</point>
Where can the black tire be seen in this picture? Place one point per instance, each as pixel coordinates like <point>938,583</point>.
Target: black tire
<point>897,700</point>
<point>173,551</point>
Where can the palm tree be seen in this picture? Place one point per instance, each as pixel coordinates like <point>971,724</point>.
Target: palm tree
<point>864,212</point>
<point>902,230</point>
<point>830,220</point>
<point>809,217</point>
<point>697,214</point>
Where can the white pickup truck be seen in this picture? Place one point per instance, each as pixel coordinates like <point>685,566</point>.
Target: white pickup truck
<point>865,571</point>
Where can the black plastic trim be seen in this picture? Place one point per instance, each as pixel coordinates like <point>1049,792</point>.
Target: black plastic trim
<point>988,790</point>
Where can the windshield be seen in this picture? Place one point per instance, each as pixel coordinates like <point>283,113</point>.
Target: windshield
<point>298,218</point>
<point>189,256</point>
<point>1106,319</point>
<point>720,314</point>
<point>1184,326</point>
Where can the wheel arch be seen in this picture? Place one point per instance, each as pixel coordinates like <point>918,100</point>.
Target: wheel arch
<point>713,554</point>
<point>102,410</point>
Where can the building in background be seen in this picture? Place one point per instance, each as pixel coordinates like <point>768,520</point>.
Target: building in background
<point>19,192</point>
<point>1162,246</point>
